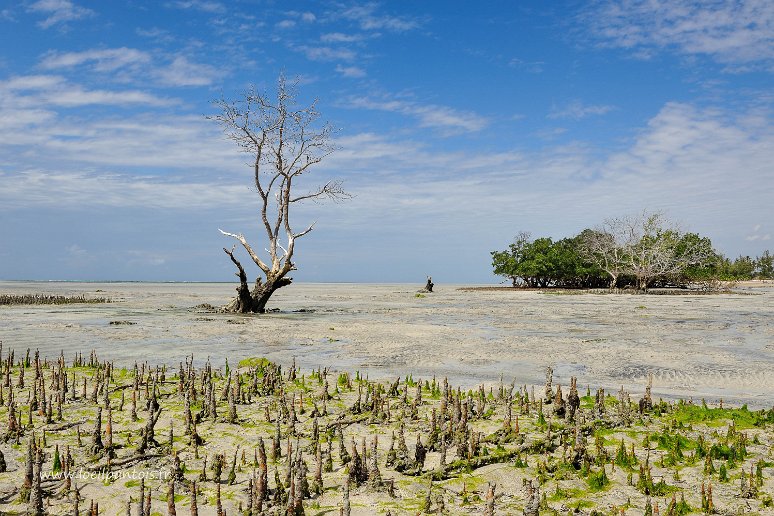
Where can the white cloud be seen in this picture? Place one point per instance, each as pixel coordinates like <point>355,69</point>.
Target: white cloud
<point>351,71</point>
<point>33,131</point>
<point>77,189</point>
<point>731,32</point>
<point>156,34</point>
<point>429,115</point>
<point>700,141</point>
<point>339,37</point>
<point>367,18</point>
<point>286,24</point>
<point>182,72</point>
<point>39,92</point>
<point>326,53</point>
<point>527,66</point>
<point>31,82</point>
<point>14,121</point>
<point>179,72</point>
<point>145,258</point>
<point>104,60</point>
<point>433,115</point>
<point>200,5</point>
<point>75,96</point>
<point>360,151</point>
<point>757,235</point>
<point>76,256</point>
<point>706,168</point>
<point>58,12</point>
<point>551,133</point>
<point>576,110</point>
<point>305,17</point>
<point>76,251</point>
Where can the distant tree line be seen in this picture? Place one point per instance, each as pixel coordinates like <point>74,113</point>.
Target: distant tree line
<point>641,252</point>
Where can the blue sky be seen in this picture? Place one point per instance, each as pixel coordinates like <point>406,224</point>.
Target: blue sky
<point>457,127</point>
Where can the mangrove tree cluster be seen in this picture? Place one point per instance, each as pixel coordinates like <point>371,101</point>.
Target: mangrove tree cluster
<point>638,252</point>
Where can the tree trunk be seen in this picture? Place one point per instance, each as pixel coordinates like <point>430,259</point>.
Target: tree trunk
<point>253,301</point>
<point>262,292</point>
<point>243,301</point>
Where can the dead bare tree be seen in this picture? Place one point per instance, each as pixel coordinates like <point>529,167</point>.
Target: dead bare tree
<point>650,248</point>
<point>604,247</point>
<point>646,247</point>
<point>658,249</point>
<point>284,142</point>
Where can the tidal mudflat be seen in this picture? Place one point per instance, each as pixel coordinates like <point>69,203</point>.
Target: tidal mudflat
<point>354,415</point>
<point>701,346</point>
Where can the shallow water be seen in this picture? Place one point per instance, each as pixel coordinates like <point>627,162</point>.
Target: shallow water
<point>718,346</point>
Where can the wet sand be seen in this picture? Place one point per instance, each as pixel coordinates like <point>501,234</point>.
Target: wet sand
<point>700,346</point>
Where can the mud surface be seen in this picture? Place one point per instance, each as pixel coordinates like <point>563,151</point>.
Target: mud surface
<point>713,346</point>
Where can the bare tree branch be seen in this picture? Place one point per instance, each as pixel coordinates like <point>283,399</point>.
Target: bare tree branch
<point>249,250</point>
<point>304,232</point>
<point>241,274</point>
<point>332,190</point>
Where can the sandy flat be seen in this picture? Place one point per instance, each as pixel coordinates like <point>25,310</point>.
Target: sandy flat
<point>711,346</point>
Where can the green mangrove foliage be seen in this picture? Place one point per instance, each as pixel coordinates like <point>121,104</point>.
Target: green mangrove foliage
<point>638,252</point>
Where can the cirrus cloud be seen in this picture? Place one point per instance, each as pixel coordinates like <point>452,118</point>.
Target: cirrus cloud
<point>731,32</point>
<point>429,115</point>
<point>58,12</point>
<point>104,60</point>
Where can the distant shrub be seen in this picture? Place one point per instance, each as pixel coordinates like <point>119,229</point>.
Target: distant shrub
<point>48,299</point>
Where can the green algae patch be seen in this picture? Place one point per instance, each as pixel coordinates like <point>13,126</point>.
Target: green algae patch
<point>259,362</point>
<point>742,417</point>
